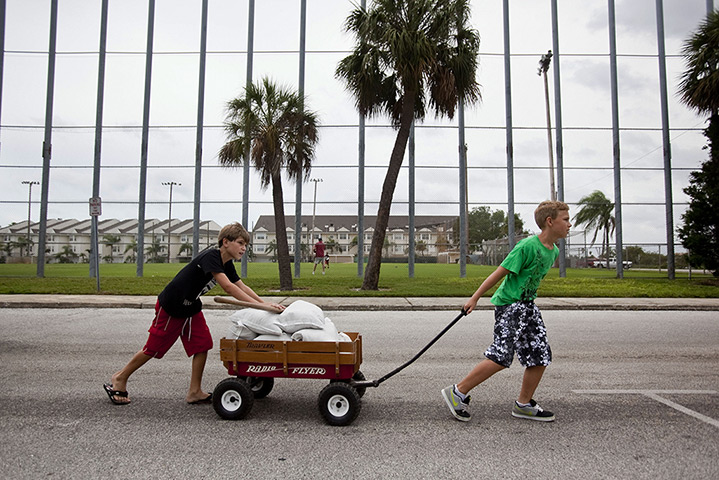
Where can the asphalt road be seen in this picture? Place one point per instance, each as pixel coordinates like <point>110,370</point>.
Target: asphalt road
<point>636,395</point>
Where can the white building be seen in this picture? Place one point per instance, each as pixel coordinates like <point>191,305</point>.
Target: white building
<point>433,235</point>
<point>69,240</point>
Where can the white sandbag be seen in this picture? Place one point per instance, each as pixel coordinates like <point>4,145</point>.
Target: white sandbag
<point>344,337</point>
<point>283,337</point>
<point>301,315</point>
<point>327,334</point>
<point>259,321</point>
<point>240,332</point>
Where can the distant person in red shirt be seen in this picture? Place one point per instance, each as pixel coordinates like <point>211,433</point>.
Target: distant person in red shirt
<point>319,250</point>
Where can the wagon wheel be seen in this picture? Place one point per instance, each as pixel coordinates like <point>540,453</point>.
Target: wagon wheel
<point>339,404</point>
<point>357,377</point>
<point>260,386</point>
<point>232,399</point>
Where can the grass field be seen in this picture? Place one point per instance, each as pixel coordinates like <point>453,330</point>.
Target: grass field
<point>430,280</point>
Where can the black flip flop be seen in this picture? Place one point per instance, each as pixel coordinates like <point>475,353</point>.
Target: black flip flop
<point>114,393</point>
<point>208,399</point>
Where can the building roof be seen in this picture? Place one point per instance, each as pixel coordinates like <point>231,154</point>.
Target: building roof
<point>112,226</point>
<point>349,222</point>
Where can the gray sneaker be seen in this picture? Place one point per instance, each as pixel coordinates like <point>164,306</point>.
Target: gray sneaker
<point>457,407</point>
<point>532,412</point>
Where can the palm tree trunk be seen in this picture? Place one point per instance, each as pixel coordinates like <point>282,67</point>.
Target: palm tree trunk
<point>371,278</point>
<point>283,249</point>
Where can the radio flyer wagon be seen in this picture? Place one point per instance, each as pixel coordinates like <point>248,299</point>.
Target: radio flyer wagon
<point>253,366</point>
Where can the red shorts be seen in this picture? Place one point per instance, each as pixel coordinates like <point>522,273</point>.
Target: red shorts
<point>165,330</point>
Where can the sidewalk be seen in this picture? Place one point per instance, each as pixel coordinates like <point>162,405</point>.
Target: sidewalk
<point>366,303</point>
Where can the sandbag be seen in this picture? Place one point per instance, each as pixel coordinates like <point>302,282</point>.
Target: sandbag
<point>258,321</point>
<point>327,334</point>
<point>300,315</point>
<point>275,338</point>
<point>240,332</point>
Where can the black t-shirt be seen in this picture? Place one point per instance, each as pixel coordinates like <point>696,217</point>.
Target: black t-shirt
<point>181,297</point>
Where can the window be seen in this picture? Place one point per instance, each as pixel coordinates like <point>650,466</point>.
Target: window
<point>343,236</point>
<point>259,249</point>
<point>260,236</point>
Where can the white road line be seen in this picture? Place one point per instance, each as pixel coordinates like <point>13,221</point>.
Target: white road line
<point>654,395</point>
<point>644,392</point>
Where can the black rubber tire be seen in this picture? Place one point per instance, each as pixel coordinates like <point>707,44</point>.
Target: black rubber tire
<point>357,377</point>
<point>232,399</point>
<point>260,386</point>
<point>339,404</point>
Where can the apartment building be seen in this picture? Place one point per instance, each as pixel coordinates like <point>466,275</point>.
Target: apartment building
<point>69,240</point>
<point>433,236</point>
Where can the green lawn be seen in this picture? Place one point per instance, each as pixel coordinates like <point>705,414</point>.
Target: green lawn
<point>341,280</point>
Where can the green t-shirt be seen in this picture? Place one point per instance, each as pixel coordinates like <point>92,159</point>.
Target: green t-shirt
<point>528,263</point>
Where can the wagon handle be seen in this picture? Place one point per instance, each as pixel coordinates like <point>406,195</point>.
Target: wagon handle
<point>375,383</point>
<point>240,303</point>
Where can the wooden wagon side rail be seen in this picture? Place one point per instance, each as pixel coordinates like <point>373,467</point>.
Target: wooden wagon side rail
<point>288,353</point>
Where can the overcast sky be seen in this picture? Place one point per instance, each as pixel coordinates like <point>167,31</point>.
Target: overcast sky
<point>586,110</point>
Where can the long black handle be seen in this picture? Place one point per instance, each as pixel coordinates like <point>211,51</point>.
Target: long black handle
<point>375,383</point>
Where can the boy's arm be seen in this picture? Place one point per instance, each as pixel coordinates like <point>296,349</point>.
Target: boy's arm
<point>488,283</point>
<point>240,291</point>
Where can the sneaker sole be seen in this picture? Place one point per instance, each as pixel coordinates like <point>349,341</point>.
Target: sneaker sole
<point>451,409</point>
<point>536,419</point>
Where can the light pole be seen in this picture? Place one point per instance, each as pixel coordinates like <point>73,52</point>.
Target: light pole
<point>169,217</point>
<point>314,208</point>
<point>29,184</point>
<point>542,70</point>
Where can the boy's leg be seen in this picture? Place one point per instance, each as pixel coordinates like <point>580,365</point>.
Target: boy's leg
<point>195,392</point>
<point>484,369</point>
<point>530,381</point>
<point>119,379</point>
<point>197,340</point>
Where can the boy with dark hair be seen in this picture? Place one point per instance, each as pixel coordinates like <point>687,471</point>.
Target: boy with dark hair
<point>518,322</point>
<point>178,313</point>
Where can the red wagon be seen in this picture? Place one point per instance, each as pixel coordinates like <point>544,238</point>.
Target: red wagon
<point>254,365</point>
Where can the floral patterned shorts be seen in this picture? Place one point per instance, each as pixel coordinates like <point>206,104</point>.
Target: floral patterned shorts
<point>519,328</point>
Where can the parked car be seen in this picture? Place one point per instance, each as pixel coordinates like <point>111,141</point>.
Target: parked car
<point>612,263</point>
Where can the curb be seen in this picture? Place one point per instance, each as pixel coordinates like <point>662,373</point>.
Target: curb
<point>368,303</point>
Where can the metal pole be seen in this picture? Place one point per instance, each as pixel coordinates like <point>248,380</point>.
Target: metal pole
<point>360,187</point>
<point>314,208</point>
<point>710,6</point>
<point>246,164</point>
<point>199,135</point>
<point>615,140</point>
<point>462,193</point>
<point>2,49</point>
<point>94,269</point>
<point>169,218</point>
<point>298,186</point>
<point>145,135</point>
<point>29,184</point>
<point>411,251</point>
<point>47,143</point>
<point>543,67</point>
<point>558,130</point>
<point>669,208</point>
<point>508,114</point>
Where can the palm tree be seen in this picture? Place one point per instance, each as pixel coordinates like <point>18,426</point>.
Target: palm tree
<point>110,240</point>
<point>272,124</point>
<point>699,85</point>
<point>410,55</point>
<point>699,89</point>
<point>596,213</point>
<point>132,248</point>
